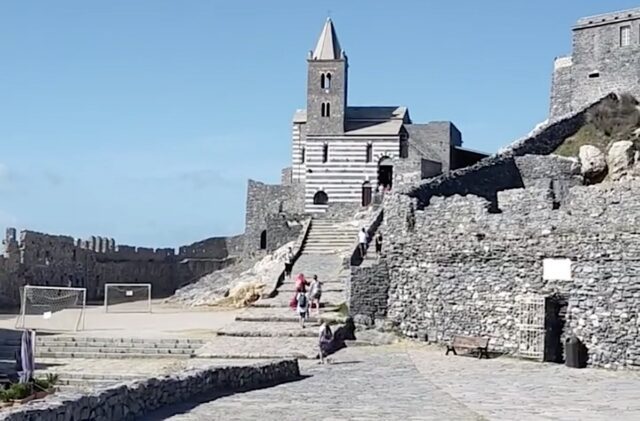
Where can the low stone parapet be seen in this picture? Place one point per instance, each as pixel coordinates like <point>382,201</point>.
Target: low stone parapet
<point>131,400</point>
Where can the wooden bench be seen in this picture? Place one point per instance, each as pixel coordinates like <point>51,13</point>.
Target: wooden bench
<point>478,344</point>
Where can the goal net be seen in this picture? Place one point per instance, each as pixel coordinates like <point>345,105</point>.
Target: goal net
<point>127,298</point>
<point>52,308</point>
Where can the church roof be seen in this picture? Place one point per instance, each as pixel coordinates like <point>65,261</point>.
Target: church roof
<point>328,47</point>
<point>369,120</point>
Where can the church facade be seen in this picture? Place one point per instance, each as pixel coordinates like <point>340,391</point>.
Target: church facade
<point>343,153</point>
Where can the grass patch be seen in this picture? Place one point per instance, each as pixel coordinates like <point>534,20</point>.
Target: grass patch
<point>587,135</point>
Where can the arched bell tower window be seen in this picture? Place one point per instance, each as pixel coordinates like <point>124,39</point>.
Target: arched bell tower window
<point>325,81</point>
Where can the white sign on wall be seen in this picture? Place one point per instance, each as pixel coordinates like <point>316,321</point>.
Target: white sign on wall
<point>556,269</point>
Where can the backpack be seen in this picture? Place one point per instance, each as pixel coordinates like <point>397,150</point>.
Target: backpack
<point>302,301</point>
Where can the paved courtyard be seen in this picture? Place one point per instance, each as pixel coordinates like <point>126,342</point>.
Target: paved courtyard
<point>411,382</point>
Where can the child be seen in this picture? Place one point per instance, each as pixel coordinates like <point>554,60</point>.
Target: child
<point>315,292</point>
<point>302,307</point>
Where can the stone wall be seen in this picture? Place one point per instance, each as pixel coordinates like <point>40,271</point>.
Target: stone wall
<point>368,291</point>
<point>212,248</point>
<point>463,270</point>
<point>599,63</point>
<point>57,260</point>
<point>499,172</point>
<point>264,201</point>
<point>132,400</point>
<point>282,228</point>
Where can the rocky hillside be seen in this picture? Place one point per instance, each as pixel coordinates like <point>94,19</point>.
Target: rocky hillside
<point>609,122</point>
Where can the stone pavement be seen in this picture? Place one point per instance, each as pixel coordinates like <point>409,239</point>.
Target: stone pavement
<point>412,382</point>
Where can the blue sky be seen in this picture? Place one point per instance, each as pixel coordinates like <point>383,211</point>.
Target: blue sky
<point>142,120</point>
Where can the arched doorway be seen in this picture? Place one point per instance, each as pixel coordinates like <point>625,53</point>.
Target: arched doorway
<point>385,172</point>
<point>320,198</point>
<point>366,193</point>
<point>263,240</point>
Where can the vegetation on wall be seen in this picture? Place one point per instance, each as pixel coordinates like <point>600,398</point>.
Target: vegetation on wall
<point>610,121</point>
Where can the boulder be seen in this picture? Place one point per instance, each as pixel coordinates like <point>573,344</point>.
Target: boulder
<point>620,159</point>
<point>593,164</point>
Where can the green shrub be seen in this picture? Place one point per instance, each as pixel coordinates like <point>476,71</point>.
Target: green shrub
<point>19,391</point>
<point>52,379</point>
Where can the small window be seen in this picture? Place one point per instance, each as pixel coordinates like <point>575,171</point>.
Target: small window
<point>325,153</point>
<point>594,75</point>
<point>369,152</point>
<point>323,110</point>
<point>625,36</point>
<point>302,155</point>
<point>322,81</point>
<point>327,81</point>
<point>328,110</point>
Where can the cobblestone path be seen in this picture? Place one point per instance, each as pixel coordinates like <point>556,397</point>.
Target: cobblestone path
<point>359,385</point>
<point>411,382</point>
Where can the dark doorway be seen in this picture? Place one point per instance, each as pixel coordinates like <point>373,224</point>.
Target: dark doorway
<point>555,317</point>
<point>263,240</point>
<point>366,193</point>
<point>385,172</point>
<point>320,198</point>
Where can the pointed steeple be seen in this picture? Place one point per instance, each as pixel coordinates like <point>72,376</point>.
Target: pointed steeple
<point>328,47</point>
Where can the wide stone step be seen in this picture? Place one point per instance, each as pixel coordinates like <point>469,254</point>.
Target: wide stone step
<point>235,347</point>
<point>83,339</point>
<point>114,350</point>
<point>97,355</point>
<point>118,345</point>
<point>289,319</point>
<point>276,304</point>
<point>273,330</point>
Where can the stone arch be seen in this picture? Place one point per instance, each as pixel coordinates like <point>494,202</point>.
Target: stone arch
<point>366,193</point>
<point>385,171</point>
<point>320,198</point>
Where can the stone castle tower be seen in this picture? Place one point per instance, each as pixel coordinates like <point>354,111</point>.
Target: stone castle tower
<point>605,59</point>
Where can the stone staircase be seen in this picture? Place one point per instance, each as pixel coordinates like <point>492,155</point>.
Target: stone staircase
<point>329,237</point>
<point>270,328</point>
<point>61,346</point>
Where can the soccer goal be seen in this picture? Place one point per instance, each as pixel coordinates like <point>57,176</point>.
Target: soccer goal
<point>52,308</point>
<point>127,298</point>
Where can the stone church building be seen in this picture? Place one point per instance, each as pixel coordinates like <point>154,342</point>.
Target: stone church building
<point>342,153</point>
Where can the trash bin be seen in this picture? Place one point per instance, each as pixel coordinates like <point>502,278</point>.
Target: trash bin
<point>573,351</point>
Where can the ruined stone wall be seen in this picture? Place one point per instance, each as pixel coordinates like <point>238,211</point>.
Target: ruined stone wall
<point>462,270</point>
<point>264,201</point>
<point>55,260</point>
<point>500,171</point>
<point>212,248</point>
<point>282,228</point>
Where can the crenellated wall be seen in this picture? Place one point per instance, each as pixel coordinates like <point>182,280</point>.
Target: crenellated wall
<point>55,260</point>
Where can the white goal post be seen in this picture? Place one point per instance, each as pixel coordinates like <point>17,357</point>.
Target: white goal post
<point>127,298</point>
<point>52,308</point>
